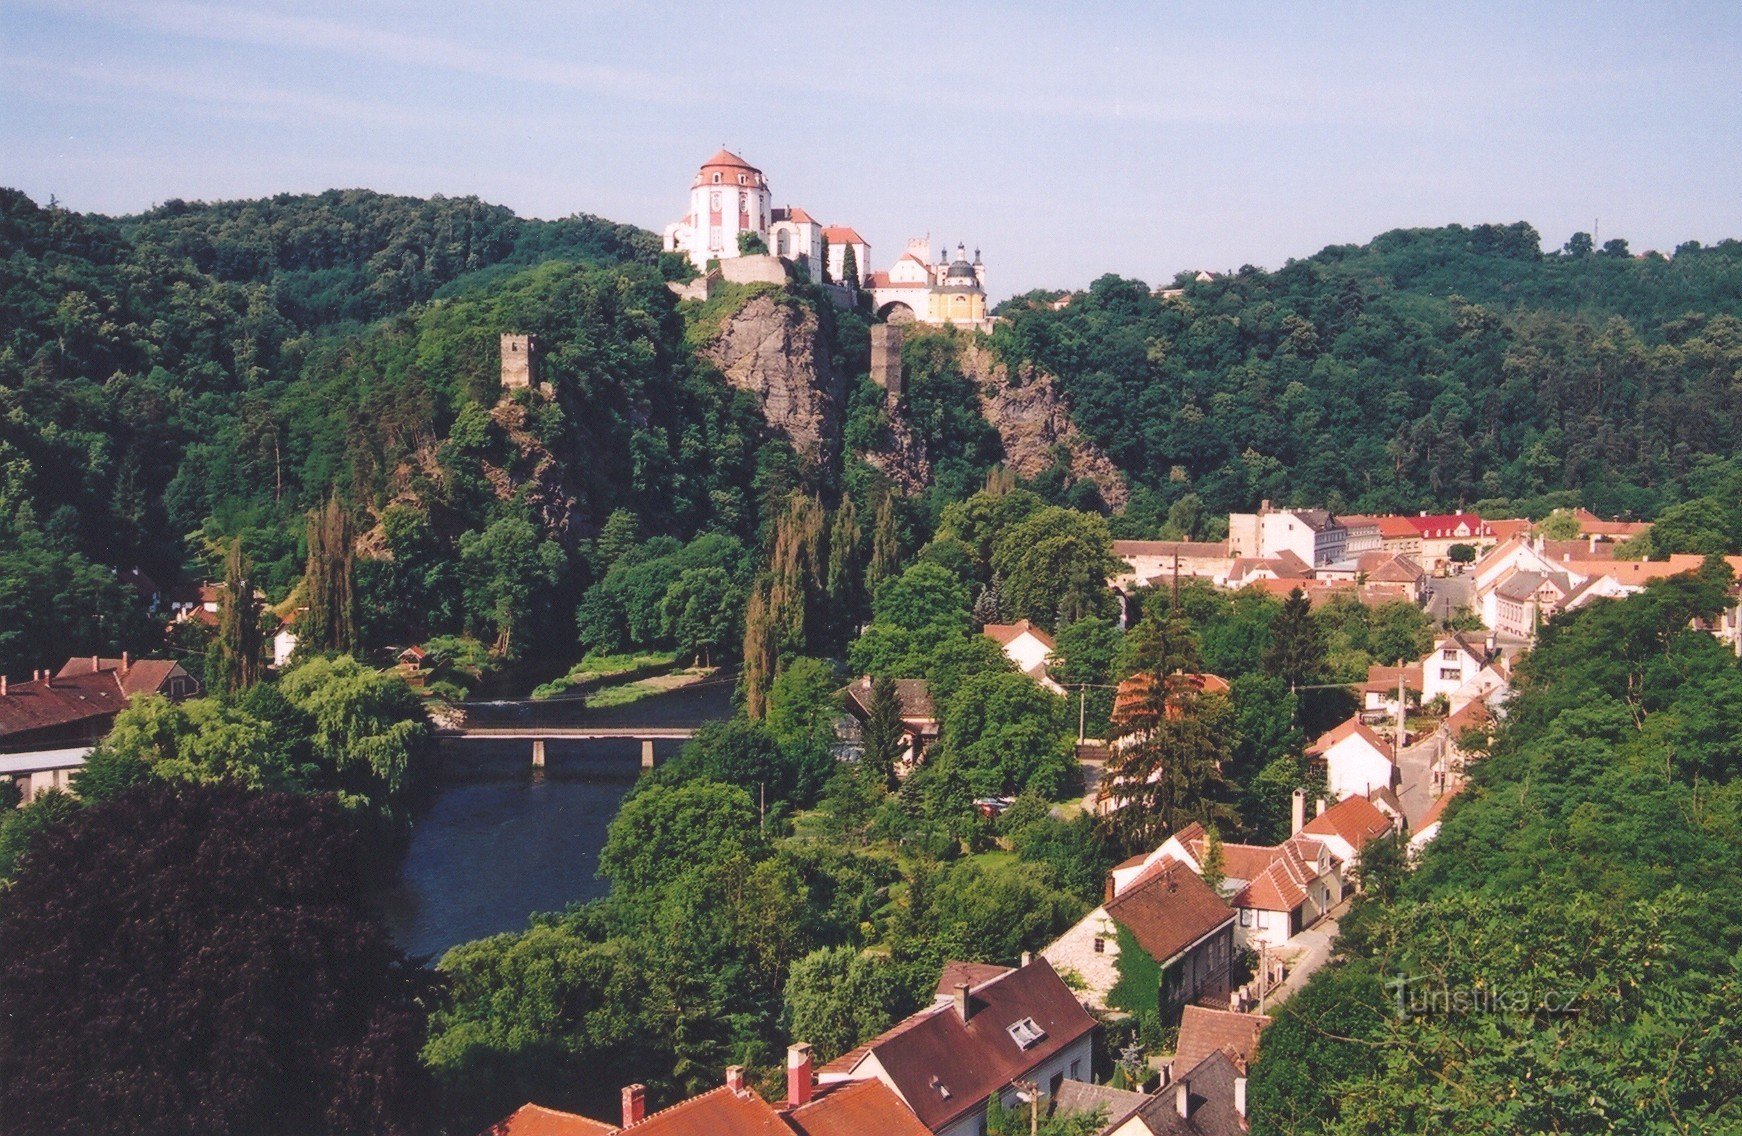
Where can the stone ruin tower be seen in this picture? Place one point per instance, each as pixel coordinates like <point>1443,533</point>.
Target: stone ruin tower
<point>886,359</point>
<point>519,362</point>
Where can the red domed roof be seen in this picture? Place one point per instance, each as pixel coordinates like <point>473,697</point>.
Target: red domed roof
<point>728,165</point>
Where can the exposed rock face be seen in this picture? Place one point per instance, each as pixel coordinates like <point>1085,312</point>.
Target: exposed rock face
<point>533,472</point>
<point>1032,418</point>
<point>772,347</point>
<point>902,457</point>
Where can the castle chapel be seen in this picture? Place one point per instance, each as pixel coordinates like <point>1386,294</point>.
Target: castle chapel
<point>730,198</point>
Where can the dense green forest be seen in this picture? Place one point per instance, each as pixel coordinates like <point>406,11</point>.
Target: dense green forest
<point>1429,368</point>
<point>1564,957</point>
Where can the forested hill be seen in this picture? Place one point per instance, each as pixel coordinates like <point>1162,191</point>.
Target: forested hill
<point>1429,368</point>
<point>359,255</point>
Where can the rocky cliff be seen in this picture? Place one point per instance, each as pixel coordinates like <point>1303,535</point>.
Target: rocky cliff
<point>772,347</point>
<point>1033,419</point>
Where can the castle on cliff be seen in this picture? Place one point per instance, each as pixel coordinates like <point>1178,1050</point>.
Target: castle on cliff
<point>730,199</point>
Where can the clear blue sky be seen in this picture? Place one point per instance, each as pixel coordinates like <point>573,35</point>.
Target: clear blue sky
<point>1067,139</point>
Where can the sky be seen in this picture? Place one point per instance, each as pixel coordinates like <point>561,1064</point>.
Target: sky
<point>1066,140</point>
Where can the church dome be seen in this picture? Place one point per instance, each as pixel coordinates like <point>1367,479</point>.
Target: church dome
<point>960,270</point>
<point>727,168</point>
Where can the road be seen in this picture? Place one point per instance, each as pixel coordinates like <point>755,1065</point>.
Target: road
<point>1415,764</point>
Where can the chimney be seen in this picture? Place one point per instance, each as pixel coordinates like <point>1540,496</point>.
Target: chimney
<point>962,1001</point>
<point>1299,821</point>
<point>735,1078</point>
<point>94,662</point>
<point>1240,1089</point>
<point>1027,957</point>
<point>126,662</point>
<point>798,1072</point>
<point>2,686</point>
<point>1320,808</point>
<point>634,1104</point>
<point>1182,1098</point>
<point>1111,890</point>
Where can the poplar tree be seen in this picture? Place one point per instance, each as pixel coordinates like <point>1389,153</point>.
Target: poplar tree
<point>786,604</point>
<point>846,571</point>
<point>885,545</point>
<point>329,582</point>
<point>240,643</point>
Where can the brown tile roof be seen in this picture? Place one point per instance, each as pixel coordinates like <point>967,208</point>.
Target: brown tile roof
<point>718,1112</point>
<point>58,703</point>
<point>1076,1098</point>
<point>1003,633</point>
<point>1507,528</point>
<point>1203,1031</point>
<point>973,973</point>
<point>1210,1093</point>
<point>142,676</point>
<point>913,694</point>
<point>536,1120</point>
<point>1383,680</point>
<point>1590,524</point>
<point>1472,715</point>
<point>855,1108</point>
<point>1352,727</point>
<point>1355,819</point>
<point>945,1068</point>
<point>1168,909</point>
<point>1389,568</point>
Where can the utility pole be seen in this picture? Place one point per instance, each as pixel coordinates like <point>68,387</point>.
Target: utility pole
<point>1030,1092</point>
<point>1402,709</point>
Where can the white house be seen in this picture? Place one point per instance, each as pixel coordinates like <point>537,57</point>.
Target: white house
<point>1278,891</point>
<point>1454,660</point>
<point>1311,534</point>
<point>1026,645</point>
<point>1346,827</point>
<point>1356,760</point>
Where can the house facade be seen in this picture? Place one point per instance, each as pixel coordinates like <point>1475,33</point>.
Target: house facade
<point>1356,760</point>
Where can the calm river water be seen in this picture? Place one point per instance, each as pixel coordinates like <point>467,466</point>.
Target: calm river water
<point>499,842</point>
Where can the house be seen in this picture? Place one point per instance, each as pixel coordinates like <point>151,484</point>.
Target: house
<point>1168,913</point>
<point>1207,1100</point>
<point>1026,645</point>
<point>76,705</point>
<point>1523,600</point>
<point>1345,828</point>
<point>1591,525</point>
<point>1454,660</point>
<point>919,720</point>
<point>284,642</point>
<point>1459,738</point>
<point>1379,692</point>
<point>946,1060</point>
<point>1203,1031</point>
<point>1153,562</point>
<point>1278,891</point>
<point>1311,534</point>
<point>1429,828</point>
<point>1355,760</point>
<point>736,1109</point>
<point>1441,532</point>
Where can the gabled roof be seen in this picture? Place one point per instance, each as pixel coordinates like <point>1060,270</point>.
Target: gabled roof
<point>536,1120</point>
<point>855,1108</point>
<point>1355,819</point>
<point>1076,1098</point>
<point>1446,526</point>
<point>1383,680</point>
<point>973,973</point>
<point>719,1112</point>
<point>1384,567</point>
<point>843,235</point>
<point>1472,715</point>
<point>1169,908</point>
<point>42,704</point>
<point>1282,884</point>
<point>1005,633</point>
<point>1203,1031</point>
<point>1352,727</point>
<point>945,1068</point>
<point>135,676</point>
<point>1211,1101</point>
<point>1130,700</point>
<point>1509,527</point>
<point>793,214</point>
<point>914,694</point>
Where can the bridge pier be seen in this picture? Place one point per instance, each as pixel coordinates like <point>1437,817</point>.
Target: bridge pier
<point>646,753</point>
<point>538,753</point>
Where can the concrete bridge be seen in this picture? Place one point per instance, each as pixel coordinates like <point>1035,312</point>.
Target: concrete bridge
<point>539,735</point>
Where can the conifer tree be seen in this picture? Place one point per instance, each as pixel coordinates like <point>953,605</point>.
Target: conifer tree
<point>883,731</point>
<point>845,584</point>
<point>240,643</point>
<point>1170,772</point>
<point>329,580</point>
<point>1296,653</point>
<point>1215,859</point>
<point>785,610</point>
<point>989,604</point>
<point>850,268</point>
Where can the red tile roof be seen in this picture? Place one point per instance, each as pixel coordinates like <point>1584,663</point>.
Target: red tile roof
<point>536,1120</point>
<point>1203,1031</point>
<point>945,1068</point>
<point>855,1108</point>
<point>719,1112</point>
<point>1282,884</point>
<point>88,700</point>
<point>1383,680</point>
<point>1450,526</point>
<point>843,235</point>
<point>142,676</point>
<point>1131,700</point>
<point>1003,633</point>
<point>1356,819</point>
<point>1168,909</point>
<point>1472,715</point>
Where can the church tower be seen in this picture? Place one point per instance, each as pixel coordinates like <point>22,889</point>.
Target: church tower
<point>728,198</point>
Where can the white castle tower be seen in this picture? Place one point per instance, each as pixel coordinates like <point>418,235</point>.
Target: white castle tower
<point>728,198</point>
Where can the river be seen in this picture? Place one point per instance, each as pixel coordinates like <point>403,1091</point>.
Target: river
<point>499,841</point>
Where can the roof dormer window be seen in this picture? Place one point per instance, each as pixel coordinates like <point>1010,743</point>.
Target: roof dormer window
<point>1025,1033</point>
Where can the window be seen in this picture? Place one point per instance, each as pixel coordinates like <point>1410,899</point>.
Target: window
<point>740,179</point>
<point>1245,917</point>
<point>716,179</point>
<point>1053,1085</point>
<point>1450,654</point>
<point>1025,1033</point>
<point>1451,674</point>
<point>1100,945</point>
<point>1077,1070</point>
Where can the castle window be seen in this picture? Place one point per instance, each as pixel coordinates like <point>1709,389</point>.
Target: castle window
<point>783,243</point>
<point>716,179</point>
<point>740,179</point>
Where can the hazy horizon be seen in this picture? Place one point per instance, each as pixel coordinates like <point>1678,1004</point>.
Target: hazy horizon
<point>1065,144</point>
